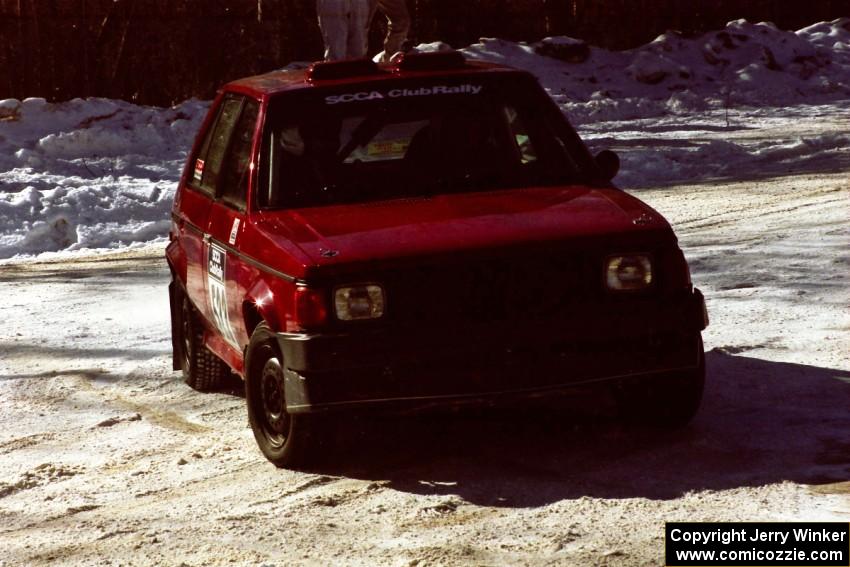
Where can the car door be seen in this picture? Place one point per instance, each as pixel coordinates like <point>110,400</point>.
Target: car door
<point>197,198</point>
<point>195,201</point>
<point>226,271</point>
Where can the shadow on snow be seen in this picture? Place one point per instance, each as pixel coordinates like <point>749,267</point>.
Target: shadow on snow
<point>761,422</point>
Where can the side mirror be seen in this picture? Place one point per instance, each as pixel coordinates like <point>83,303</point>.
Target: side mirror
<point>608,163</point>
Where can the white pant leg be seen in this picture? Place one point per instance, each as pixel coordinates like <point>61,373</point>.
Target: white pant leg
<point>358,31</point>
<point>334,23</point>
<point>398,25</point>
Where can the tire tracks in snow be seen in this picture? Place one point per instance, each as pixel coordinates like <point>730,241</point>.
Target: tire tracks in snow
<point>759,205</point>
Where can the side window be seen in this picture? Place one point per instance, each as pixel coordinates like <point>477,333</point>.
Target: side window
<point>233,183</point>
<point>284,152</point>
<point>208,161</point>
<point>519,132</point>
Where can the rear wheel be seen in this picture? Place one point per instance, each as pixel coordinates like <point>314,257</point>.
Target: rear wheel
<point>287,440</point>
<point>202,370</point>
<point>669,400</point>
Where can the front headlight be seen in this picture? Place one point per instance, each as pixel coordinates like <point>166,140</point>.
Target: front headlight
<point>628,273</point>
<point>356,302</point>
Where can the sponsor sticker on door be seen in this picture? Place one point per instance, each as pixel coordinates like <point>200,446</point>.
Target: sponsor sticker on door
<point>234,231</point>
<point>199,170</point>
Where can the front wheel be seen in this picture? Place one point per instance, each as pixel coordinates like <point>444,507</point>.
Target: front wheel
<point>287,440</point>
<point>669,400</point>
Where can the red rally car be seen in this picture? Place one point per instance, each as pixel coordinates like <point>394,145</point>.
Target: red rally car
<point>432,231</point>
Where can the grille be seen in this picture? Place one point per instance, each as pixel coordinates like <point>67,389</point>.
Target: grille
<point>530,287</point>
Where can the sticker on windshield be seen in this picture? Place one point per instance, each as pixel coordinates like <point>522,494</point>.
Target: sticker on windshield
<point>401,93</point>
<point>388,149</point>
<point>216,264</point>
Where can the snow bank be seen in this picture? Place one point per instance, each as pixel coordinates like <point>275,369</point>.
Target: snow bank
<point>742,65</point>
<point>87,174</point>
<point>101,174</point>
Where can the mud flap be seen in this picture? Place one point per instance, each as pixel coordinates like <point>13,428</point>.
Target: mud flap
<point>175,329</point>
<point>700,312</point>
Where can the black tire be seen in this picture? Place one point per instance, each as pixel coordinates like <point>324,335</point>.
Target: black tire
<point>669,400</point>
<point>287,440</point>
<point>202,370</point>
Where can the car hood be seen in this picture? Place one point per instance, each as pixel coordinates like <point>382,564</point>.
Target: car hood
<point>442,223</point>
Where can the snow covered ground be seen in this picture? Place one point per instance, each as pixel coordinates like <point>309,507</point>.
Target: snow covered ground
<point>107,457</point>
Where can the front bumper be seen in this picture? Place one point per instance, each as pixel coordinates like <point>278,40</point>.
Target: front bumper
<point>410,367</point>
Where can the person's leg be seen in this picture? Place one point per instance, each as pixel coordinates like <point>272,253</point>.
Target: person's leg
<point>358,30</point>
<point>333,22</point>
<point>398,25</point>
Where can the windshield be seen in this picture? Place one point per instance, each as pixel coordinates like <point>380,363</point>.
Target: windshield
<point>390,143</point>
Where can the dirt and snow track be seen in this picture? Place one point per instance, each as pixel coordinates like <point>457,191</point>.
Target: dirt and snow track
<point>106,457</point>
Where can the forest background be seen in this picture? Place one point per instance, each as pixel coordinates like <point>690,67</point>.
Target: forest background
<point>160,52</point>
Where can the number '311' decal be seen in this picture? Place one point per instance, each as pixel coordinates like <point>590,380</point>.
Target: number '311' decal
<point>216,270</point>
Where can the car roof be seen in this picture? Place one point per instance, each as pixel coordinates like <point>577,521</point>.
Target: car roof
<point>275,82</point>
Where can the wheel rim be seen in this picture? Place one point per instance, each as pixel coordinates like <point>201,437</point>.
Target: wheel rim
<point>274,416</point>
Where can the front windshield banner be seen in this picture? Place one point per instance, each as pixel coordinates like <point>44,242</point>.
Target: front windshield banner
<point>400,93</point>
<point>409,138</point>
